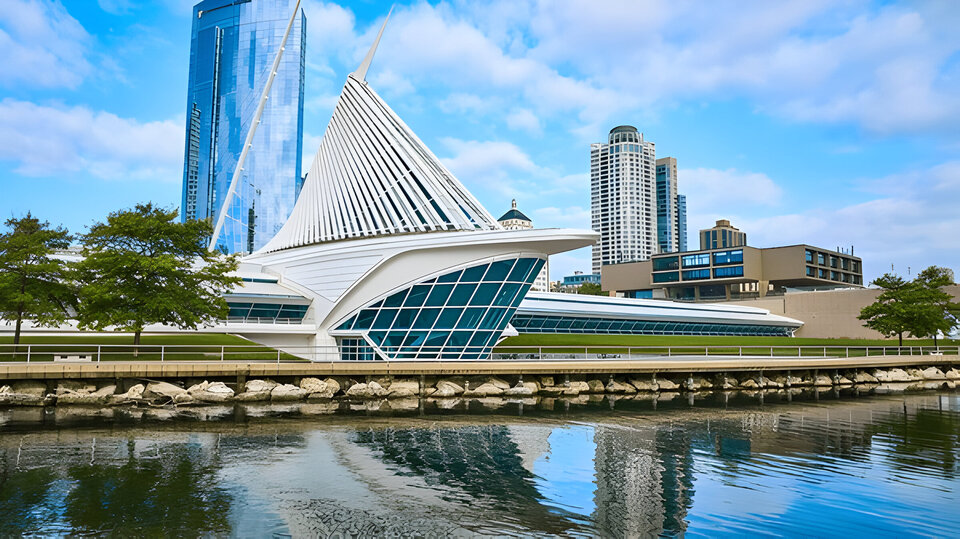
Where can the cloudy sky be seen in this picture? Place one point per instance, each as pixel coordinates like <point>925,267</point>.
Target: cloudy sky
<point>833,123</point>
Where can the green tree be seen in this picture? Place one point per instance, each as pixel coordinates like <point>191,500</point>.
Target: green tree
<point>145,267</point>
<point>591,289</point>
<point>891,314</point>
<point>33,285</point>
<point>934,309</point>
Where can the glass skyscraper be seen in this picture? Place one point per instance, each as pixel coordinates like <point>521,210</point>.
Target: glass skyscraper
<point>671,208</point>
<point>233,45</point>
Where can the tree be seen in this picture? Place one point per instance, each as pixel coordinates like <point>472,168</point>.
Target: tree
<point>591,289</point>
<point>934,309</point>
<point>144,267</point>
<point>891,313</point>
<point>33,285</point>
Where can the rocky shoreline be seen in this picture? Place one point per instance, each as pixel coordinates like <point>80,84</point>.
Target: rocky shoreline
<point>197,392</point>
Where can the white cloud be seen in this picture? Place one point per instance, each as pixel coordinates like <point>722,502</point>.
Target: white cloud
<point>735,192</point>
<point>523,120</point>
<point>42,45</point>
<point>911,222</point>
<point>498,167</point>
<point>884,69</point>
<point>115,7</point>
<point>554,217</point>
<point>470,104</point>
<point>44,141</point>
<point>477,158</point>
<point>330,33</point>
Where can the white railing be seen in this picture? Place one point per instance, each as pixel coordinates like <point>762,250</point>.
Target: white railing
<point>83,353</point>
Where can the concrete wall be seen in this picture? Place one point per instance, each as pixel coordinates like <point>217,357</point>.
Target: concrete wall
<point>828,314</point>
<point>627,276</point>
<point>784,263</point>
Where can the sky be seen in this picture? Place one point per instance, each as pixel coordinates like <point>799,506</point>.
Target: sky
<point>832,123</point>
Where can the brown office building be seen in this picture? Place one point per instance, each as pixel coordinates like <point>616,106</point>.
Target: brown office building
<point>730,274</point>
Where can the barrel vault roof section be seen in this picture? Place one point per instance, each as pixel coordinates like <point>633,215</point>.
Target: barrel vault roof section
<point>372,176</point>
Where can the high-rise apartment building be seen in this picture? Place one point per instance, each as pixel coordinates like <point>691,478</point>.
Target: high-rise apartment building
<point>233,45</point>
<point>517,220</point>
<point>671,220</point>
<point>623,197</point>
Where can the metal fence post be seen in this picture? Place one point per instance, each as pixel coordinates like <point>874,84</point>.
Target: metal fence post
<point>98,353</point>
<point>221,352</point>
<point>28,353</point>
<point>278,356</point>
<point>162,347</point>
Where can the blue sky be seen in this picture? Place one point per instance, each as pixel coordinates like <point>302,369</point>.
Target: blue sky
<point>834,123</point>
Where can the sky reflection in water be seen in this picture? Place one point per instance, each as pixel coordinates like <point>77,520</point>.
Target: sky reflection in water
<point>880,465</point>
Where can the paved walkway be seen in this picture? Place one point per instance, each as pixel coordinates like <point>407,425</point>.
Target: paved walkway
<point>252,369</point>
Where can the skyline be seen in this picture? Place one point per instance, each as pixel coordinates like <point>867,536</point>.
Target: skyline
<point>835,120</point>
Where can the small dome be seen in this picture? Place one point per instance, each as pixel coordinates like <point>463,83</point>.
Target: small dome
<point>514,213</point>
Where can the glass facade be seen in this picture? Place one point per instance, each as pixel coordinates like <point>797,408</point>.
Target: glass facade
<point>666,263</point>
<point>682,223</point>
<point>666,277</point>
<point>696,261</point>
<point>233,45</point>
<point>605,326</point>
<point>266,313</point>
<point>732,271</point>
<point>728,257</point>
<point>458,315</point>
<point>690,275</point>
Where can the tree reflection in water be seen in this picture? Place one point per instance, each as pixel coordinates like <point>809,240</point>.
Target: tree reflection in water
<point>21,493</point>
<point>176,491</point>
<point>170,489</point>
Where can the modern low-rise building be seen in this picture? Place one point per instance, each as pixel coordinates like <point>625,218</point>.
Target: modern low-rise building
<point>741,272</point>
<point>572,283</point>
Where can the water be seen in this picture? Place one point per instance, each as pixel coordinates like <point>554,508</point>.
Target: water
<point>794,464</point>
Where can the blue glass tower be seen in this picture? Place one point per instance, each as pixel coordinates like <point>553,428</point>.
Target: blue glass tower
<point>233,45</point>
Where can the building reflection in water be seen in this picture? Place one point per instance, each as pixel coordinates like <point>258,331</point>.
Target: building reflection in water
<point>638,472</point>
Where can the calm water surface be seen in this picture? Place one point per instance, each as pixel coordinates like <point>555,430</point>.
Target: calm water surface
<point>804,464</point>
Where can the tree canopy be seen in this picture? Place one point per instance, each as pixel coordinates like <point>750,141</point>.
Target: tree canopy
<point>920,307</point>
<point>33,285</point>
<point>142,266</point>
<point>591,289</point>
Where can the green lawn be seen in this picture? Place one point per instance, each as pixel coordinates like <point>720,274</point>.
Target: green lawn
<point>196,346</point>
<point>696,345</point>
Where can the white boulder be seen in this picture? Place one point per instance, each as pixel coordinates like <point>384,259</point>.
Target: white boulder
<point>287,392</point>
<point>160,390</point>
